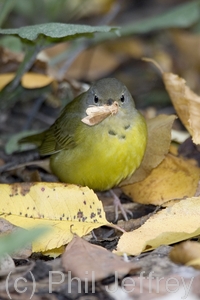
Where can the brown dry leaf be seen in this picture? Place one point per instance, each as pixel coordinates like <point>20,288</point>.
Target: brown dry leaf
<point>185,101</point>
<point>97,114</point>
<point>159,139</point>
<point>92,262</point>
<point>131,46</point>
<point>102,62</point>
<point>174,178</point>
<point>9,61</point>
<point>66,209</point>
<point>43,164</point>
<point>169,226</point>
<point>164,58</point>
<point>186,42</point>
<point>187,253</point>
<point>133,224</point>
<point>26,175</point>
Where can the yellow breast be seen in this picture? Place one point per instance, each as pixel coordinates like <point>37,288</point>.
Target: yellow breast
<point>105,154</point>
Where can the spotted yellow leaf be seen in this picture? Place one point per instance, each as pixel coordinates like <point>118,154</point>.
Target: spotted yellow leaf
<point>66,209</point>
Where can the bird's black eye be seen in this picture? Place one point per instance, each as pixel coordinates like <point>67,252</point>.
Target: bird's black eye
<point>96,99</point>
<point>122,98</point>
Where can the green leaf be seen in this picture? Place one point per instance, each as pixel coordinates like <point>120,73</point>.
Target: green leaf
<point>19,239</point>
<point>55,31</point>
<point>5,8</point>
<point>12,144</point>
<point>182,16</point>
<point>13,43</point>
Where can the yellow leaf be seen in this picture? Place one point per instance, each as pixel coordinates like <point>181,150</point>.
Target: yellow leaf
<point>29,80</point>
<point>171,225</point>
<point>67,209</point>
<point>54,252</point>
<point>158,143</point>
<point>174,178</point>
<point>35,80</point>
<point>5,79</point>
<point>187,253</point>
<point>195,263</point>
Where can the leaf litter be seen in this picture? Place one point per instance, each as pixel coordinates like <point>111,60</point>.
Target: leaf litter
<point>172,81</point>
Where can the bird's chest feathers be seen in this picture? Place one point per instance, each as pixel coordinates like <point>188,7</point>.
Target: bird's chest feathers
<point>110,143</point>
<point>106,134</point>
<point>104,154</point>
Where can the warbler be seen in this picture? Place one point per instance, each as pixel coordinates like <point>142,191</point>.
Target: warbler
<point>100,155</point>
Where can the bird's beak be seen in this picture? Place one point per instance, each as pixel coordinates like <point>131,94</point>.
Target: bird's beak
<point>110,101</point>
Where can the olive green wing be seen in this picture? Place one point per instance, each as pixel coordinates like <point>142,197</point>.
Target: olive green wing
<point>62,134</point>
<point>57,139</point>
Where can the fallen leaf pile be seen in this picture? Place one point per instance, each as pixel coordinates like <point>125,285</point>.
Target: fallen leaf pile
<point>173,178</point>
<point>156,253</point>
<point>162,177</point>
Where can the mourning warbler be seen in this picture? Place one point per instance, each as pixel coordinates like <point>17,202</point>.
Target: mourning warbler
<point>98,156</point>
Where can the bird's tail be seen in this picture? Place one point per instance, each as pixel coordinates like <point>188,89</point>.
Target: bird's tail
<point>35,139</point>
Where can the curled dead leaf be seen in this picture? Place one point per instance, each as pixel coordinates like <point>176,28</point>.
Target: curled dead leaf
<point>158,143</point>
<point>185,101</point>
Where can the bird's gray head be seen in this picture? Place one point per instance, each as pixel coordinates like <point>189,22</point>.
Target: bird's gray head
<point>108,90</point>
